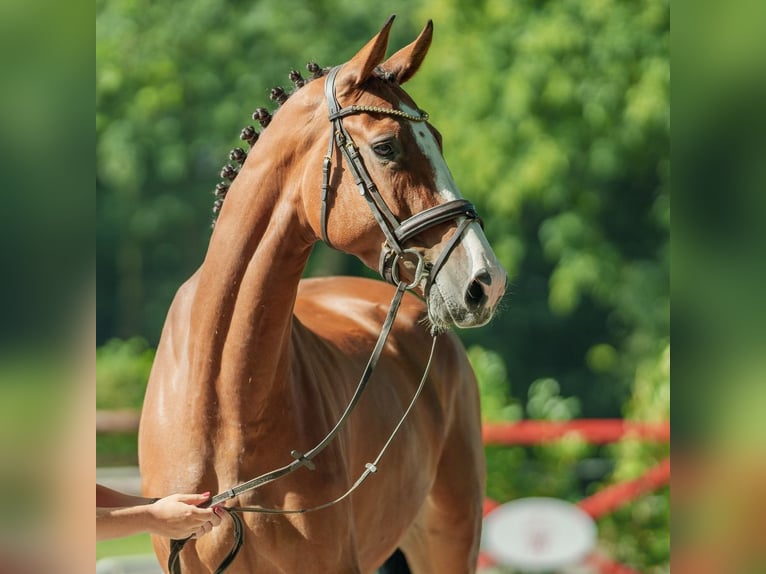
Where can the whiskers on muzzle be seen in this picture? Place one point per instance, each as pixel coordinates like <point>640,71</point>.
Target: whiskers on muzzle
<point>472,306</point>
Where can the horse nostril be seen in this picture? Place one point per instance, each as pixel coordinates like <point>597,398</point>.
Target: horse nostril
<point>474,295</point>
<point>483,276</point>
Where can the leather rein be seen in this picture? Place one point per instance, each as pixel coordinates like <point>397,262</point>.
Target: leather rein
<point>392,254</point>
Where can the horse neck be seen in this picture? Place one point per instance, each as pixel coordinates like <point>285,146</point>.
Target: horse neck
<point>242,313</point>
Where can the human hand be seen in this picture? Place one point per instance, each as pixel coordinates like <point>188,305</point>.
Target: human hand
<point>177,516</point>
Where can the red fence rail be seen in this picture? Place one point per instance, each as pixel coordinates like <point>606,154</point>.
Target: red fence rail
<point>593,431</point>
<point>613,497</point>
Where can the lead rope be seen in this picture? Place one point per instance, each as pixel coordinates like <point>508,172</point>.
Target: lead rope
<point>301,459</point>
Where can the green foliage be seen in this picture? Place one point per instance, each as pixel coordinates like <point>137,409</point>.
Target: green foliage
<point>117,449</point>
<point>648,518</point>
<point>546,403</point>
<point>494,388</point>
<point>638,533</point>
<point>558,127</point>
<point>122,370</point>
<point>136,544</point>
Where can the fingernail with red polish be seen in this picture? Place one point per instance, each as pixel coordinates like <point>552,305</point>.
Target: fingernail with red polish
<point>206,494</point>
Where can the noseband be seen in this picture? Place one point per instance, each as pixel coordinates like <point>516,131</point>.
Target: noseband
<point>393,252</point>
<point>396,233</point>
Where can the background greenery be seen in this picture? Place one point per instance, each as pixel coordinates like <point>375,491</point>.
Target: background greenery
<point>555,117</point>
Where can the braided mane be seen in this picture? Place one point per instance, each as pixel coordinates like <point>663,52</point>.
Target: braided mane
<point>249,134</point>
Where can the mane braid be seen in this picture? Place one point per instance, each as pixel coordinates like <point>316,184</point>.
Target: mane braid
<point>250,135</point>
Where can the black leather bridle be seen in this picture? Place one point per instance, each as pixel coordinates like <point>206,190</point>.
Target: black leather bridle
<point>392,253</point>
<point>396,233</point>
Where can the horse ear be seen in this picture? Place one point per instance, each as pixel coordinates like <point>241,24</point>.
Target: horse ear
<point>360,67</point>
<point>406,61</point>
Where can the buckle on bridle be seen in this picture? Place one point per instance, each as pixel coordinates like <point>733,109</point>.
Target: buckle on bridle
<point>420,268</point>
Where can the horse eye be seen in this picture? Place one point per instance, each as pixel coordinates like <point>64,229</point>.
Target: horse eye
<point>384,149</point>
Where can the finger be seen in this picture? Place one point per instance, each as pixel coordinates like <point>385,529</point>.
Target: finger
<point>204,529</point>
<point>216,517</point>
<point>194,498</point>
<point>202,514</point>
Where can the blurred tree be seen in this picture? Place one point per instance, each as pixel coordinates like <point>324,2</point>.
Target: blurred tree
<point>558,127</point>
<point>122,370</point>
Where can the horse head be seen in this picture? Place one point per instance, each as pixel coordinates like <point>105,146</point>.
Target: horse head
<point>374,182</point>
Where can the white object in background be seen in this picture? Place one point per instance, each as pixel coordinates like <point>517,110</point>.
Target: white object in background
<point>538,534</point>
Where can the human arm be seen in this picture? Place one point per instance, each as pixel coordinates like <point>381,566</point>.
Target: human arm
<point>175,516</point>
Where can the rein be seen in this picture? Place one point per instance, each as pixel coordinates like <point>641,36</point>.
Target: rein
<point>392,253</point>
<point>306,459</point>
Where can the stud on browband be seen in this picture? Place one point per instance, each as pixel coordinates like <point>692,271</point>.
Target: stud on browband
<point>217,204</point>
<point>421,117</point>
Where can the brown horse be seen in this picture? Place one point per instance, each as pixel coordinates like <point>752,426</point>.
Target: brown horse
<point>255,363</point>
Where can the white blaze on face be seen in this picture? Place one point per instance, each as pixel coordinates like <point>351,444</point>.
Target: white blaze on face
<point>473,261</point>
<point>474,241</point>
